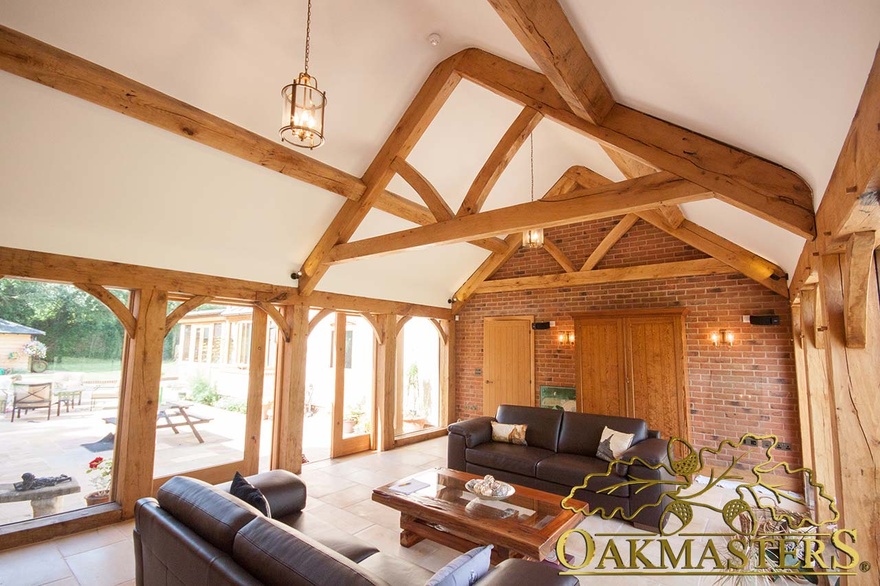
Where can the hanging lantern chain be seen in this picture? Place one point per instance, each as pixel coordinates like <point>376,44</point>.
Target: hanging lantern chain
<point>532,163</point>
<point>308,34</point>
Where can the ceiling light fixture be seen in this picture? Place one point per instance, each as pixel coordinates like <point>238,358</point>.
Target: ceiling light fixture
<point>302,121</point>
<point>533,237</point>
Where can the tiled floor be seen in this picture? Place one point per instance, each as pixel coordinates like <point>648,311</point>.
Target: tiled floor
<point>339,493</point>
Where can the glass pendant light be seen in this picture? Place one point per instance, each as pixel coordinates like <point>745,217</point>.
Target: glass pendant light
<point>533,237</point>
<point>302,120</point>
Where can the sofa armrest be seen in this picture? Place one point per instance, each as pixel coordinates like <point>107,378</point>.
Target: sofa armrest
<point>652,451</point>
<point>284,491</point>
<point>518,571</point>
<point>475,431</point>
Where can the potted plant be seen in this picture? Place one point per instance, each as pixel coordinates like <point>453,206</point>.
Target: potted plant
<point>100,472</point>
<point>352,417</point>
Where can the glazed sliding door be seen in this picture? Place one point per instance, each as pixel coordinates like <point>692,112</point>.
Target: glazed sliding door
<point>354,362</point>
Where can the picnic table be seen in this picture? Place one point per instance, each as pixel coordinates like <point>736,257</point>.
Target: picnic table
<point>175,414</point>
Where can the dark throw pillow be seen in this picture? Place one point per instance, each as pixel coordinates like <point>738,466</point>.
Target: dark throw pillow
<point>250,494</point>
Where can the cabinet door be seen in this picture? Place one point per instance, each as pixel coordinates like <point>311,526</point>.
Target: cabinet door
<point>600,347</point>
<point>655,373</point>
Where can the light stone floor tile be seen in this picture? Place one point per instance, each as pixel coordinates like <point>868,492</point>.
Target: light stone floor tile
<point>376,513</point>
<point>340,518</point>
<point>348,496</point>
<point>104,566</point>
<point>36,564</point>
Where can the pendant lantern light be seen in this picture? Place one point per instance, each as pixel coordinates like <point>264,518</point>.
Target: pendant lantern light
<point>302,120</point>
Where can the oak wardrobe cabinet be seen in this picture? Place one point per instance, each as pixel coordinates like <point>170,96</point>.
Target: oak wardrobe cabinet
<point>632,363</point>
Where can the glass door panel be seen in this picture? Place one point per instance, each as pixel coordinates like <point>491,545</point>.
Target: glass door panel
<point>354,369</point>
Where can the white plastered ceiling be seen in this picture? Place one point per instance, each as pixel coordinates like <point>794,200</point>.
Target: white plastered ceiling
<point>778,79</point>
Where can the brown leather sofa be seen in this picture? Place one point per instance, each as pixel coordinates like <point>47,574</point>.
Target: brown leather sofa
<point>561,451</point>
<point>195,533</point>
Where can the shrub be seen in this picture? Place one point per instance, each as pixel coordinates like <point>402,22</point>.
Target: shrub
<point>204,392</point>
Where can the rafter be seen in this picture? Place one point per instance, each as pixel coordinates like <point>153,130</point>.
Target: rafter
<point>497,162</point>
<point>418,116</point>
<point>748,263</point>
<point>484,271</point>
<point>589,204</point>
<point>687,268</point>
<point>544,31</point>
<point>559,256</point>
<point>738,177</point>
<point>438,206</point>
<point>852,198</point>
<point>630,168</point>
<point>613,236</point>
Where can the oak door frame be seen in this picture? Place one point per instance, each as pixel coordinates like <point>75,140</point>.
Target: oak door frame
<point>530,319</point>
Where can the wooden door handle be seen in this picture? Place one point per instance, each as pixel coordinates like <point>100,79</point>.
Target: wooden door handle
<point>489,382</point>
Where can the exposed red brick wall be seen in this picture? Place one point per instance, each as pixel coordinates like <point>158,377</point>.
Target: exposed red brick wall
<point>749,387</point>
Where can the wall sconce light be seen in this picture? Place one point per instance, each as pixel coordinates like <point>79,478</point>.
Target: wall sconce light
<point>566,338</point>
<point>725,336</point>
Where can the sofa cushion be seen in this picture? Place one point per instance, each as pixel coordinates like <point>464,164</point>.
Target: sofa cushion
<point>339,541</point>
<point>509,433</point>
<point>509,457</point>
<point>580,432</point>
<point>214,514</point>
<point>543,424</point>
<point>280,556</point>
<point>569,470</point>
<point>464,570</point>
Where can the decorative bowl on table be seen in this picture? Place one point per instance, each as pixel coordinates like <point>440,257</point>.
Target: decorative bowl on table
<point>489,489</point>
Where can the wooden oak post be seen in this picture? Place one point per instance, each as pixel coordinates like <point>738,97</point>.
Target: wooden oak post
<point>254,418</point>
<point>290,400</point>
<point>136,442</point>
<point>855,380</point>
<point>386,381</point>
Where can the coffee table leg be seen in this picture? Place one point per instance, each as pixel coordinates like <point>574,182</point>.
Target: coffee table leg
<point>43,507</point>
<point>407,537</point>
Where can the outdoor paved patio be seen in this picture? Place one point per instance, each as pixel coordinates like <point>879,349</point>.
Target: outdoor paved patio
<point>55,446</point>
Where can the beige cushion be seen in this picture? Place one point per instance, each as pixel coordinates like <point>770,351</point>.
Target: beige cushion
<point>613,444</point>
<point>509,433</point>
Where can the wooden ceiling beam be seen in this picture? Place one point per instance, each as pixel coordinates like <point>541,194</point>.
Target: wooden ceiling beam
<point>688,268</point>
<point>497,162</point>
<point>852,199</point>
<point>590,204</point>
<point>543,29</point>
<point>749,182</point>
<point>42,63</point>
<point>559,256</point>
<point>484,271</point>
<point>438,206</point>
<point>412,125</point>
<point>748,263</point>
<point>630,168</point>
<point>613,236</point>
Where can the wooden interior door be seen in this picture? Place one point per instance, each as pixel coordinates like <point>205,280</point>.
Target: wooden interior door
<point>655,373</point>
<point>508,362</point>
<point>601,372</point>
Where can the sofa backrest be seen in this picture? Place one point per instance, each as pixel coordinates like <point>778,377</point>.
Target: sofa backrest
<point>169,552</point>
<point>278,555</point>
<point>543,424</point>
<point>580,432</point>
<point>213,514</point>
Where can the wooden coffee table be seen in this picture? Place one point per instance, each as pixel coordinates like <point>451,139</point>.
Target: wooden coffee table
<point>527,524</point>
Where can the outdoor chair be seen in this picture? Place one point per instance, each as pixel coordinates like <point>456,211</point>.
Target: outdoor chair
<point>29,396</point>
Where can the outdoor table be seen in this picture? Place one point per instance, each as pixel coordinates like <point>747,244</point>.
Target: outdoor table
<point>179,409</point>
<point>44,501</point>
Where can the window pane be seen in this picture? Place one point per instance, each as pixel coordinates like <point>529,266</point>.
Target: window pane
<point>358,393</point>
<point>60,365</point>
<point>203,393</point>
<point>421,376</point>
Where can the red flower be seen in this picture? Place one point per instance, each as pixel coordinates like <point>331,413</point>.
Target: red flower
<point>94,463</point>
